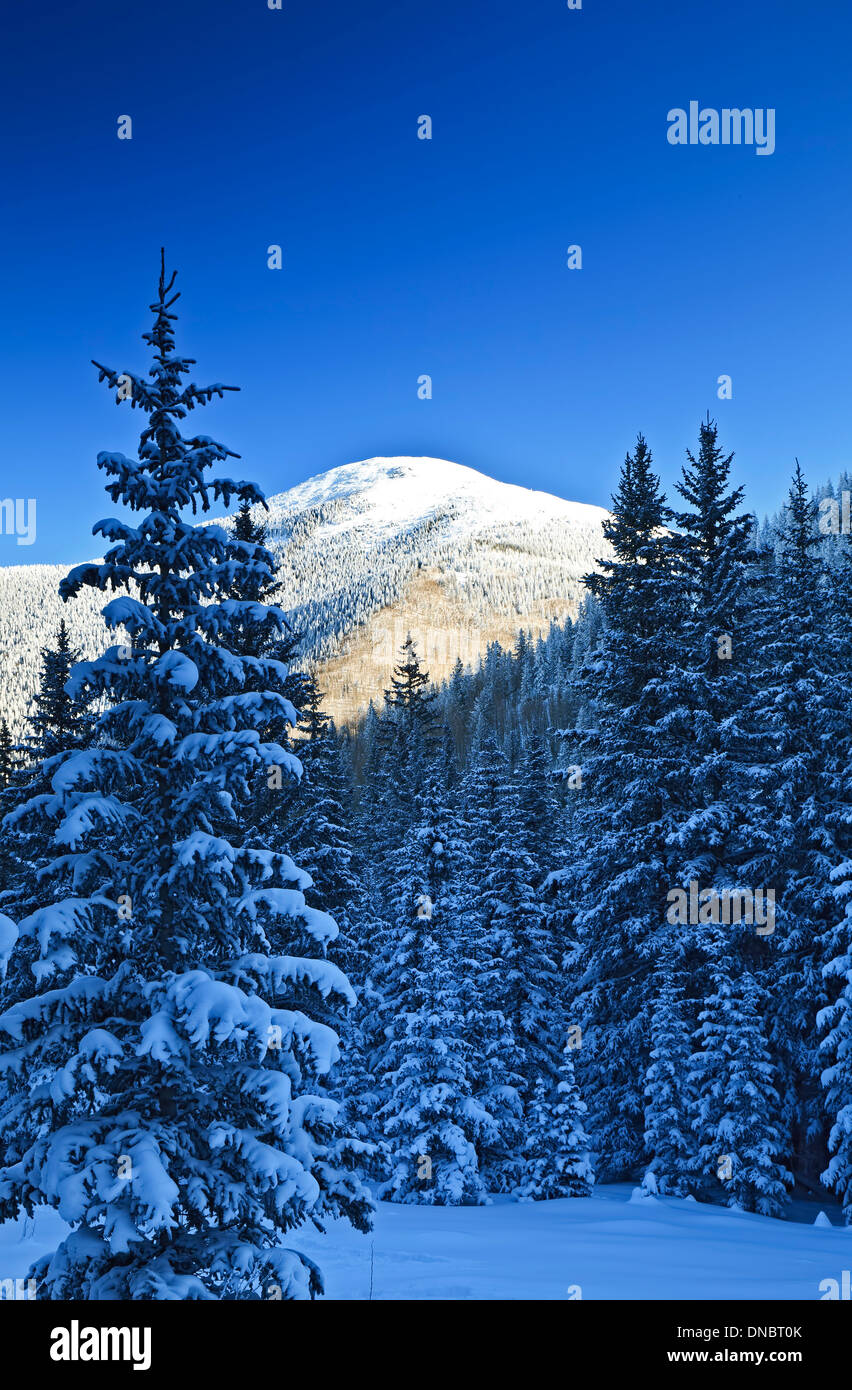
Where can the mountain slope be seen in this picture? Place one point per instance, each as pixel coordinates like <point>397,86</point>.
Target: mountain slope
<point>366,553</point>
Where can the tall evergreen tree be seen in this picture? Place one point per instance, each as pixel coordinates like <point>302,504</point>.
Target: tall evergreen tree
<point>403,743</point>
<point>717,839</point>
<point>556,1147</point>
<point>543,830</point>
<point>721,838</point>
<point>434,1123</point>
<point>516,1003</point>
<point>836,1051</point>
<point>56,722</point>
<point>409,688</point>
<point>734,1080</point>
<point>176,1119</point>
<point>834,1022</point>
<point>56,725</point>
<point>668,1112</point>
<point>8,761</point>
<point>613,894</point>
<point>799,706</point>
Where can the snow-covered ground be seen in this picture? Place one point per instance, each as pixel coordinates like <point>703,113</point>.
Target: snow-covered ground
<point>601,1247</point>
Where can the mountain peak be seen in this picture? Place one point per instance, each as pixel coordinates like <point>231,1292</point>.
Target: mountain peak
<point>403,490</point>
<point>366,553</point>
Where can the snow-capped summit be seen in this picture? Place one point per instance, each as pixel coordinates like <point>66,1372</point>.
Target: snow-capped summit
<point>395,492</point>
<point>375,549</point>
<point>367,552</point>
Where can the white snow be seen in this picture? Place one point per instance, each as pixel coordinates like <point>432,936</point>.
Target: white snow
<point>395,493</point>
<point>8,938</point>
<point>604,1246</point>
<point>175,669</point>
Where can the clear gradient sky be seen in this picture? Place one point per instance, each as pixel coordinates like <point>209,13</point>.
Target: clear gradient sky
<point>402,257</point>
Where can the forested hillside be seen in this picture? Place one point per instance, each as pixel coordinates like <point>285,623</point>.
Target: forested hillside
<point>365,554</point>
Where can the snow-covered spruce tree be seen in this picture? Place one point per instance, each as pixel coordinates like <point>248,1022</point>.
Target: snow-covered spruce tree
<point>517,1012</point>
<point>304,819</point>
<point>409,688</point>
<point>836,1051</point>
<point>457,703</point>
<point>835,1019</point>
<point>274,800</point>
<point>405,739</point>
<point>501,1083</point>
<point>399,749</point>
<point>434,1125</point>
<point>7,755</point>
<point>721,835</point>
<point>252,636</point>
<point>612,895</point>
<point>446,762</point>
<point>733,1078</point>
<point>56,725</point>
<point>800,697</point>
<point>669,1140</point>
<point>321,840</point>
<point>556,1147</point>
<point>164,1093</point>
<point>16,851</point>
<point>544,830</point>
<point>320,824</point>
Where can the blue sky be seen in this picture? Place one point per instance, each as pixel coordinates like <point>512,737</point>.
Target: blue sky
<point>447,257</point>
